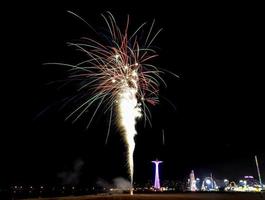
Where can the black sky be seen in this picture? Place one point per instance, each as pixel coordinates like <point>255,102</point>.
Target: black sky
<point>217,50</point>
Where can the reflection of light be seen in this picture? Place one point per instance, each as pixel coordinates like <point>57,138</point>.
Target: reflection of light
<point>225,180</point>
<point>208,181</point>
<point>197,179</point>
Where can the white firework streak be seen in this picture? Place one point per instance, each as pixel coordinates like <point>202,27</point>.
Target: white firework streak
<point>128,112</point>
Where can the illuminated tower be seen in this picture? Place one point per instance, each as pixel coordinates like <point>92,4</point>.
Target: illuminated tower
<point>157,181</point>
<point>193,187</point>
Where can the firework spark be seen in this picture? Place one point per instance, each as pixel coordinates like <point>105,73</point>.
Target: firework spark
<point>118,75</point>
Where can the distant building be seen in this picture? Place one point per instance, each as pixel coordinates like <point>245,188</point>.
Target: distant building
<point>192,182</point>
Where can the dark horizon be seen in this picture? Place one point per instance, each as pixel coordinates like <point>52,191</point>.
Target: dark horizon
<point>215,128</point>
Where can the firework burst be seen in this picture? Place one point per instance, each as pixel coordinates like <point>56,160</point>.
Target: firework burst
<point>117,73</point>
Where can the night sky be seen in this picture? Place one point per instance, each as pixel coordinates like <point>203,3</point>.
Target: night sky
<point>217,123</point>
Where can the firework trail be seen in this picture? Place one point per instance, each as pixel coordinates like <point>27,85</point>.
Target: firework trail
<point>118,75</point>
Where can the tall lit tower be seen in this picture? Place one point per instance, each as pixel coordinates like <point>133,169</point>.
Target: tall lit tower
<point>193,187</point>
<point>157,181</point>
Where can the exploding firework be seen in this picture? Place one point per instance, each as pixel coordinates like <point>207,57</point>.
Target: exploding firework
<point>117,74</point>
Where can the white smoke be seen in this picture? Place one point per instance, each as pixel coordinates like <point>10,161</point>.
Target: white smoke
<point>103,184</point>
<point>72,177</point>
<point>121,183</point>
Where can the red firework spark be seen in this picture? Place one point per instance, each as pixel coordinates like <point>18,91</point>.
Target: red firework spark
<point>118,60</point>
